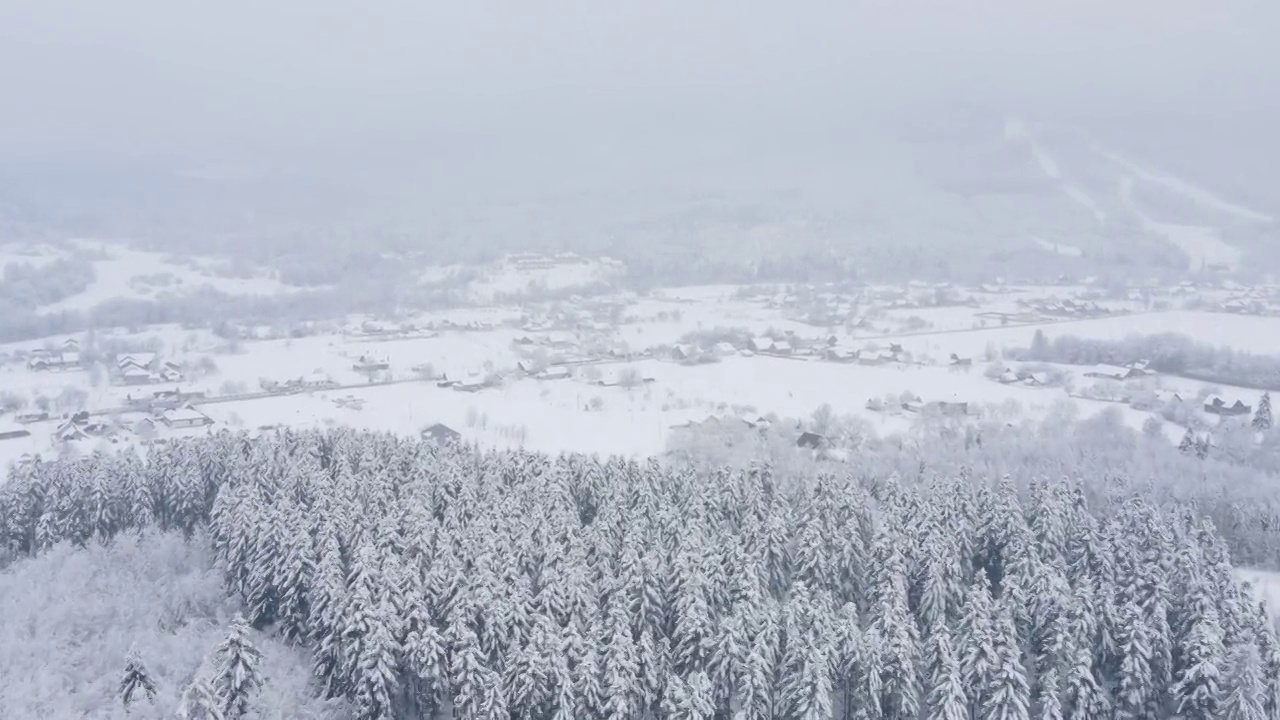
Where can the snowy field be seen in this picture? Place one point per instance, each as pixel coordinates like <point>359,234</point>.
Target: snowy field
<point>134,274</point>
<point>577,414</point>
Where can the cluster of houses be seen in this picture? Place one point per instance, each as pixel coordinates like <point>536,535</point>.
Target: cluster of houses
<point>83,426</point>
<point>146,369</point>
<point>1131,371</point>
<point>65,357</point>
<point>1065,308</point>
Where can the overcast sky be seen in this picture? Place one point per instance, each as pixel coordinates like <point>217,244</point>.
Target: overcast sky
<point>160,76</point>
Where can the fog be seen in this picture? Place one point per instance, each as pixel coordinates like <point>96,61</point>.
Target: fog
<point>461,100</point>
<point>144,76</point>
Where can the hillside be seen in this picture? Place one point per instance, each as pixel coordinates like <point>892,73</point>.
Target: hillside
<point>70,617</point>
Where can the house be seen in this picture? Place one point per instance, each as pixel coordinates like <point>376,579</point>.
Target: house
<point>841,354</point>
<point>186,417</point>
<point>958,361</point>
<point>763,345</point>
<point>368,363</point>
<point>948,408</point>
<point>1037,379</point>
<point>1008,377</point>
<point>1217,406</point>
<point>71,345</point>
<point>558,372</point>
<point>876,358</point>
<point>142,361</point>
<point>134,375</point>
<point>1138,368</point>
<point>31,417</point>
<point>14,433</point>
<point>725,348</point>
<point>171,371</point>
<point>440,434</point>
<point>100,429</point>
<point>317,379</point>
<point>69,431</point>
<point>811,441</point>
<point>683,351</point>
<point>470,385</point>
<point>1109,372</point>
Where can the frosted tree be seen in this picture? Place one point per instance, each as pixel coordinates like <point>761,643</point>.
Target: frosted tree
<point>1262,416</point>
<point>199,702</point>
<point>237,675</point>
<point>1008,694</point>
<point>976,640</point>
<point>1188,443</point>
<point>1134,688</point>
<point>945,693</point>
<point>1247,697</point>
<point>1198,689</point>
<point>135,679</point>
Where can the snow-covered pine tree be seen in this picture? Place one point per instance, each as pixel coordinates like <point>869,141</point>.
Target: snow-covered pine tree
<point>1008,694</point>
<point>1134,687</point>
<point>199,702</point>
<point>135,680</point>
<point>976,642</point>
<point>944,686</point>
<point>237,675</point>
<point>1199,684</point>
<point>1262,416</point>
<point>1188,443</point>
<point>1246,696</point>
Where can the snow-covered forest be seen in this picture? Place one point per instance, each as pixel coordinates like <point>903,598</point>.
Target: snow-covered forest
<point>429,581</point>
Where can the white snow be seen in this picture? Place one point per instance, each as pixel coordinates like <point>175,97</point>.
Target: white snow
<point>116,278</point>
<point>1203,245</point>
<point>1017,131</point>
<point>1059,248</point>
<point>1192,192</point>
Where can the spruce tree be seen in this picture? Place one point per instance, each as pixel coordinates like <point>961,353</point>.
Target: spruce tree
<point>135,679</point>
<point>1008,696</point>
<point>945,691</point>
<point>199,702</point>
<point>1246,699</point>
<point>1262,416</point>
<point>1188,443</point>
<point>237,676</point>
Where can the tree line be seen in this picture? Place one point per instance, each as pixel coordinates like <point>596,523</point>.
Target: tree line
<point>432,581</point>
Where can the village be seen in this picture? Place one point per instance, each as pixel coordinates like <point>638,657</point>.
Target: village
<point>620,372</point>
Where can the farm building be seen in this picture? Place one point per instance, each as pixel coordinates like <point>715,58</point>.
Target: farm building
<point>1112,372</point>
<point>811,441</point>
<point>440,434</point>
<point>11,433</point>
<point>368,363</point>
<point>1217,406</point>
<point>186,417</point>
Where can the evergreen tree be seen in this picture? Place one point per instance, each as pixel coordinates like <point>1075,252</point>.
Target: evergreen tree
<point>199,702</point>
<point>1262,416</point>
<point>135,679</point>
<point>237,676</point>
<point>1199,684</point>
<point>945,692</point>
<point>1188,444</point>
<point>1008,695</point>
<point>1247,697</point>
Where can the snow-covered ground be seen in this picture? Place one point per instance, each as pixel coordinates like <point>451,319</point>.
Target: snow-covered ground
<point>1203,246</point>
<point>573,414</point>
<point>1188,190</point>
<point>122,273</point>
<point>511,280</point>
<point>1059,248</point>
<point>1017,131</point>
